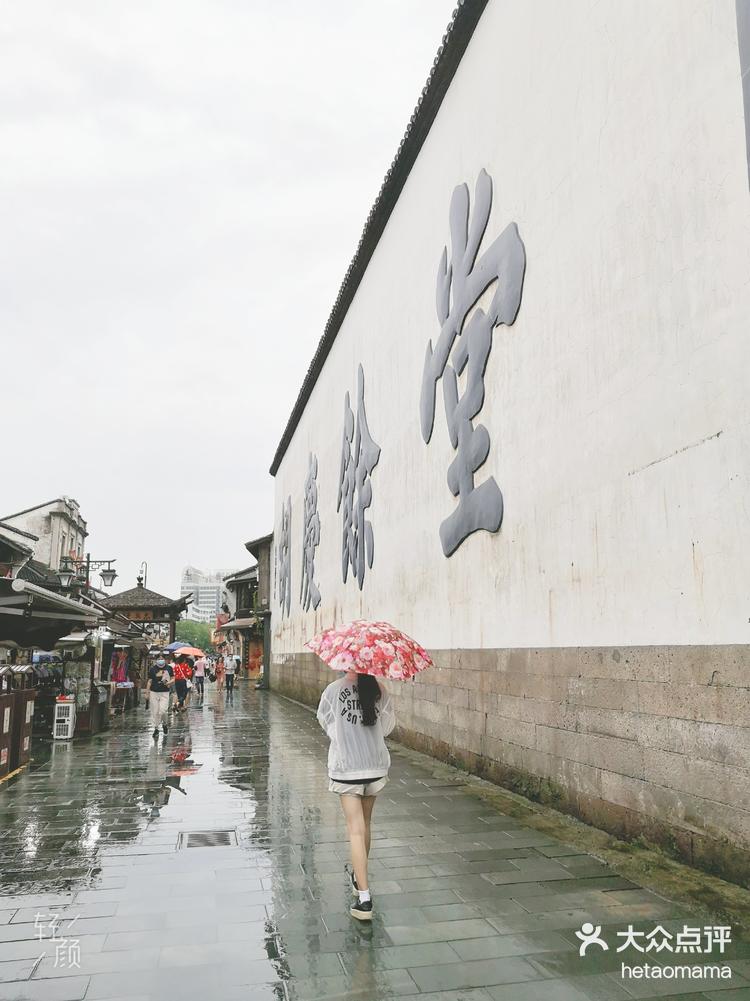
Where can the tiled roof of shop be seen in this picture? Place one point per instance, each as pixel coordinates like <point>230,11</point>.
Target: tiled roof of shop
<point>140,597</point>
<point>36,572</point>
<point>248,572</point>
<point>455,40</point>
<point>255,544</point>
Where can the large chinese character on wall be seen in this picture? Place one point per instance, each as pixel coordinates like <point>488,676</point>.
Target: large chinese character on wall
<point>462,351</point>
<point>309,592</point>
<point>284,555</point>
<point>359,456</point>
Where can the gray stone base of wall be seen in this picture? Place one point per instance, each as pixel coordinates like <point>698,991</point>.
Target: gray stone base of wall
<point>643,742</point>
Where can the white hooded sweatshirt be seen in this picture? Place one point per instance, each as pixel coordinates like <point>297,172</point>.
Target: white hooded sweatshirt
<point>356,751</point>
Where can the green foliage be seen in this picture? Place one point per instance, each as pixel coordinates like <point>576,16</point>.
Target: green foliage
<point>194,634</point>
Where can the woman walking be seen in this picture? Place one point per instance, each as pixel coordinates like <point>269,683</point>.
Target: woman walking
<point>357,715</point>
<point>182,674</point>
<point>199,676</point>
<point>220,674</point>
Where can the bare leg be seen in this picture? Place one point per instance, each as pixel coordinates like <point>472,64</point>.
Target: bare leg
<point>368,804</point>
<point>355,823</point>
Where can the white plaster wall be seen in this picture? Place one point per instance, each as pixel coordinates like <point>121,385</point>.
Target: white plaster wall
<point>617,404</point>
<point>38,523</point>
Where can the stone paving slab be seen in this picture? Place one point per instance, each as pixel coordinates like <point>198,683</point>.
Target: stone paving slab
<point>470,905</point>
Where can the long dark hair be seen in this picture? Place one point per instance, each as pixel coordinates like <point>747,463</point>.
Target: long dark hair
<point>369,693</point>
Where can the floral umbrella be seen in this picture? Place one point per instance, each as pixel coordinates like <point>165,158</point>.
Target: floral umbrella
<point>376,648</point>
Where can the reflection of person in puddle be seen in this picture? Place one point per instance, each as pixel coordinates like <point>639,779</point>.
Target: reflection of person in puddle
<point>363,975</point>
<point>156,798</point>
<point>182,734</point>
<point>160,797</point>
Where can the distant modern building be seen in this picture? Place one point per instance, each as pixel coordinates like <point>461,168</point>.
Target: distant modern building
<point>208,590</point>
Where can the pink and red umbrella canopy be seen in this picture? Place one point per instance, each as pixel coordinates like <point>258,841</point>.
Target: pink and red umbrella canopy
<point>190,651</point>
<point>376,648</point>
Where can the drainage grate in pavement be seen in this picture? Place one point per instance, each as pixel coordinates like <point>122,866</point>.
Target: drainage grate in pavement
<point>207,839</point>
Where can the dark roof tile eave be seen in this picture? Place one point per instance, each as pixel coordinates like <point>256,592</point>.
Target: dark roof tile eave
<point>258,542</point>
<point>454,43</point>
<point>141,597</point>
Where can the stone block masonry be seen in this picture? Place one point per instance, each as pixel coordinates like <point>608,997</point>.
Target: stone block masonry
<point>644,742</point>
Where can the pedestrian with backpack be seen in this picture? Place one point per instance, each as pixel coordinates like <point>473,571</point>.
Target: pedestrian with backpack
<point>199,675</point>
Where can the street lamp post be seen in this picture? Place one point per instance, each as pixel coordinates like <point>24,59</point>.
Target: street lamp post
<point>72,570</point>
<point>143,572</point>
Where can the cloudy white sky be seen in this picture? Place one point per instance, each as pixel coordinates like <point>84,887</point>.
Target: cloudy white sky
<point>182,186</point>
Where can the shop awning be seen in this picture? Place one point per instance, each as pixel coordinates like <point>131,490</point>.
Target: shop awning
<point>248,623</point>
<point>33,616</point>
<point>78,637</point>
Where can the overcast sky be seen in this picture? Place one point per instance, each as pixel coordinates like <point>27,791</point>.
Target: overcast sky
<point>182,186</point>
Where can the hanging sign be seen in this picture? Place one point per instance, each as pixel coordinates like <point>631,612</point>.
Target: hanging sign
<point>144,615</point>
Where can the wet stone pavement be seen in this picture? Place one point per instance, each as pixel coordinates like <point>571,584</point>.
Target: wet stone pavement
<point>104,896</point>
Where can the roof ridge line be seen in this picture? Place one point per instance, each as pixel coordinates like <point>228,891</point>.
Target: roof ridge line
<point>453,45</point>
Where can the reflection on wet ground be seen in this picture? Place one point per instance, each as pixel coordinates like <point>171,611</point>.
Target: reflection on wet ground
<point>469,903</point>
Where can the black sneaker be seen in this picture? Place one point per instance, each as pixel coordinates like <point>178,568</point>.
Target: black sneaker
<point>350,873</point>
<point>361,910</point>
<point>155,734</point>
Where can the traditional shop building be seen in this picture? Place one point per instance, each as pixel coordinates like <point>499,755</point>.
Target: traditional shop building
<point>524,436</point>
<point>149,608</point>
<point>262,549</point>
<point>239,630</point>
<point>32,618</point>
<point>55,644</point>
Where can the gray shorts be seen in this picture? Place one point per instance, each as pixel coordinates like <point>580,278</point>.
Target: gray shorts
<point>358,788</point>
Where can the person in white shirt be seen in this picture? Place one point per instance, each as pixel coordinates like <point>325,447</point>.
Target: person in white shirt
<point>199,675</point>
<point>357,715</point>
<point>230,668</point>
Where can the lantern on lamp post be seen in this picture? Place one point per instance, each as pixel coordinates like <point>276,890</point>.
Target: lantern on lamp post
<point>77,573</point>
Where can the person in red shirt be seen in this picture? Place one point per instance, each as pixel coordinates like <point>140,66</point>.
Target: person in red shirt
<point>182,674</point>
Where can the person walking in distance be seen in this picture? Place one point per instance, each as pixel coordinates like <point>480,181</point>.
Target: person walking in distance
<point>220,674</point>
<point>158,687</point>
<point>182,674</point>
<point>199,676</point>
<point>357,715</point>
<point>230,669</point>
